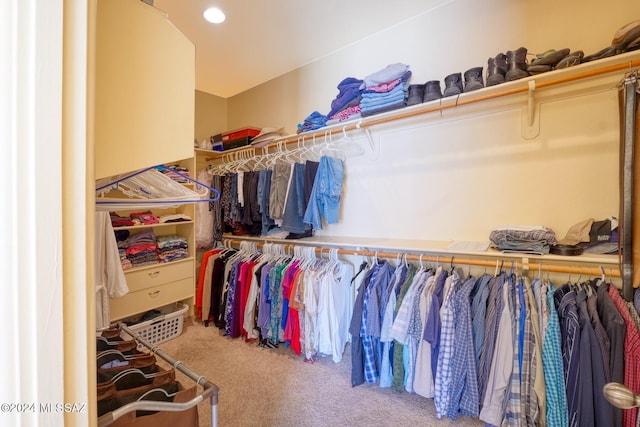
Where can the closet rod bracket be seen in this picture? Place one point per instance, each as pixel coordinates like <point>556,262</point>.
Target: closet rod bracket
<point>530,122</point>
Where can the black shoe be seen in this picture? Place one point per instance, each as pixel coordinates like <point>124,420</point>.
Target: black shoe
<point>416,94</point>
<point>516,64</point>
<point>496,69</point>
<point>432,91</point>
<point>473,79</point>
<point>453,84</point>
<point>538,69</point>
<point>574,58</point>
<point>612,50</point>
<point>551,58</point>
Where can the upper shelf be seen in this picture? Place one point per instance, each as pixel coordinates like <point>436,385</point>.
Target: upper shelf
<point>571,79</point>
<point>360,244</point>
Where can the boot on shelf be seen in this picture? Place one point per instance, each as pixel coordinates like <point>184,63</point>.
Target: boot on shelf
<point>416,94</point>
<point>496,69</point>
<point>453,84</point>
<point>516,64</point>
<point>432,90</point>
<point>473,79</point>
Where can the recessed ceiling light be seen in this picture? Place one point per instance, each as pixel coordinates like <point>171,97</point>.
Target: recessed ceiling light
<point>214,15</point>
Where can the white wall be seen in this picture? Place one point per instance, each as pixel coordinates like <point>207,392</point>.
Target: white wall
<point>457,177</point>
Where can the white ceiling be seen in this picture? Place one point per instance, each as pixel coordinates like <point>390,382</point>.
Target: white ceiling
<point>263,39</point>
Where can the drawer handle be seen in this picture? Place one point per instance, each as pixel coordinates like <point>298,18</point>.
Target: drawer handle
<point>154,274</point>
<point>154,294</point>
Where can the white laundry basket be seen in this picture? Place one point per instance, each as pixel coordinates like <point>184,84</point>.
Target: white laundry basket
<point>162,328</point>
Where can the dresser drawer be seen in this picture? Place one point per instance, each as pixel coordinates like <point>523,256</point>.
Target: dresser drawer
<point>159,274</point>
<point>150,298</point>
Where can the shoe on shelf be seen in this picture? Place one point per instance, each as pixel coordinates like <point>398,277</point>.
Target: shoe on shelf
<point>496,69</point>
<point>432,91</point>
<point>574,58</point>
<point>453,84</point>
<point>538,69</point>
<point>473,79</point>
<point>603,53</point>
<point>416,94</point>
<point>550,57</point>
<point>516,64</point>
<point>615,49</point>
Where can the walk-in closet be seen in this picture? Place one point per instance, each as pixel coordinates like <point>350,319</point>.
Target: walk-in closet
<point>359,213</point>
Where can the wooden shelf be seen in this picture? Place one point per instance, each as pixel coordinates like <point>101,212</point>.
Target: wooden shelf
<point>438,251</point>
<point>143,226</point>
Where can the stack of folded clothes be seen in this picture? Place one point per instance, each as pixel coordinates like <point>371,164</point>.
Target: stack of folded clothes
<point>385,90</point>
<point>173,218</point>
<point>142,249</point>
<point>266,137</point>
<point>313,121</point>
<point>533,239</point>
<point>346,105</point>
<point>120,221</point>
<point>172,248</point>
<point>144,217</point>
<point>176,172</point>
<point>122,237</point>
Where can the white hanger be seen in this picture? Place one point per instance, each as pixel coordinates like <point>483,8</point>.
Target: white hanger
<point>343,147</point>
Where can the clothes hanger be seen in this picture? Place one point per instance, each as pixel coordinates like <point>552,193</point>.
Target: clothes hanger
<point>341,148</point>
<point>162,395</point>
<point>128,373</point>
<point>107,356</point>
<point>150,187</point>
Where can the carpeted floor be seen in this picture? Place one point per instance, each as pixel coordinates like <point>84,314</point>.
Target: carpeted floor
<point>274,387</point>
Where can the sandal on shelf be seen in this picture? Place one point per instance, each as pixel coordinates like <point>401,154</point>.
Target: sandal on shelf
<point>573,58</point>
<point>605,53</point>
<point>550,57</point>
<point>538,69</point>
<point>546,61</point>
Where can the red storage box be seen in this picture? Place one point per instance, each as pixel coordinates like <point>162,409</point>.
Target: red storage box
<point>248,132</point>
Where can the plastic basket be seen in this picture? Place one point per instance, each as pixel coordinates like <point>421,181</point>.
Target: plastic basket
<point>162,328</point>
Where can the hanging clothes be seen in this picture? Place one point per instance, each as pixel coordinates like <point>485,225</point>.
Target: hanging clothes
<point>110,281</point>
<point>205,224</point>
<point>306,303</point>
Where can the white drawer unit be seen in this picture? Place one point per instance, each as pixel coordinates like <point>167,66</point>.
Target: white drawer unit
<point>160,274</point>
<point>153,297</point>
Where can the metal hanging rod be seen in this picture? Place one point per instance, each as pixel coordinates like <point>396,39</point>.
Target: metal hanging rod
<point>453,259</point>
